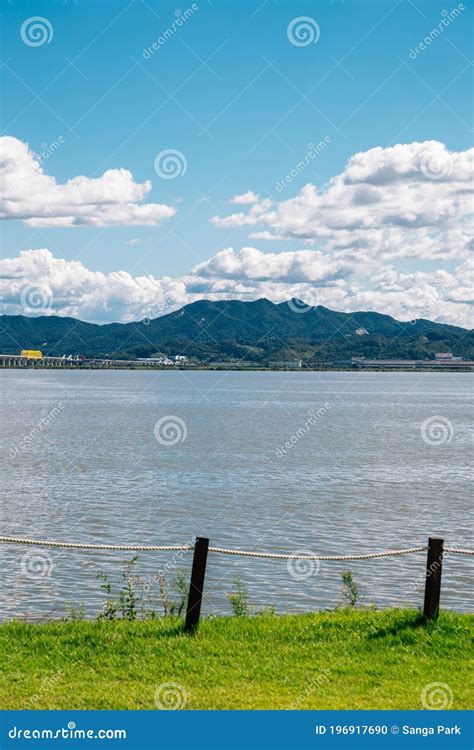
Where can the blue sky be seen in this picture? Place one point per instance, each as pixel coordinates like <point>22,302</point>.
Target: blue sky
<point>240,102</point>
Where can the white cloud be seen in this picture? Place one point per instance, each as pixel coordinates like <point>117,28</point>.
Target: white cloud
<point>409,200</point>
<point>390,233</point>
<point>72,289</point>
<point>28,194</point>
<point>245,198</point>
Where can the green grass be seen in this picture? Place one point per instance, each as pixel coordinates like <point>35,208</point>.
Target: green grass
<point>345,659</point>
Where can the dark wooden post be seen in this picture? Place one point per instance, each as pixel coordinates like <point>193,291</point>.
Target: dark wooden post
<point>434,566</point>
<point>196,586</point>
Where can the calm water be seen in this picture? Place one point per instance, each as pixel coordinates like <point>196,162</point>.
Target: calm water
<point>255,471</point>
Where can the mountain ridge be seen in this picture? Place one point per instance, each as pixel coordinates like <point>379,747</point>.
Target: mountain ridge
<point>258,330</point>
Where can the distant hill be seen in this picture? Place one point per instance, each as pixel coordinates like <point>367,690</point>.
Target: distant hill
<point>256,331</point>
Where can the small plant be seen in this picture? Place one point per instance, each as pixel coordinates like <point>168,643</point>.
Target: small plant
<point>134,597</point>
<point>239,599</point>
<point>350,589</point>
<point>128,596</point>
<point>110,609</point>
<point>174,608</point>
<point>75,614</point>
<point>128,600</point>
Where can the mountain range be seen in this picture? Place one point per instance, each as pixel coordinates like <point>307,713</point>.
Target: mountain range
<point>256,331</point>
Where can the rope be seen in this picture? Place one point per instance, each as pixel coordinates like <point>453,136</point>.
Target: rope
<point>74,545</point>
<point>223,551</point>
<point>459,551</point>
<point>275,556</point>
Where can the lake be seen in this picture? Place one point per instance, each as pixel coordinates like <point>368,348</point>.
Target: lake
<point>293,462</point>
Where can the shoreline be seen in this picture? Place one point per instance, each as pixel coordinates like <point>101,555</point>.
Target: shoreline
<point>210,368</point>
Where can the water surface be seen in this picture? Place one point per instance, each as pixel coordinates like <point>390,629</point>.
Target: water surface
<point>329,463</point>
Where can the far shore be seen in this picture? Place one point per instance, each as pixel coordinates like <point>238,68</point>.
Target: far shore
<point>237,368</point>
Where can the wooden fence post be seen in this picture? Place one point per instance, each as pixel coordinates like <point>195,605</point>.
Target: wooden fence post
<point>196,586</point>
<point>434,567</point>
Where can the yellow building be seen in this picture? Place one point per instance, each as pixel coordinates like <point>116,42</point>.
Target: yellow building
<point>31,354</point>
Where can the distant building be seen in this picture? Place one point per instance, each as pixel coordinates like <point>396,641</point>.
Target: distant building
<point>154,361</point>
<point>443,356</point>
<point>290,364</point>
<point>180,358</point>
<point>410,364</point>
<point>361,331</point>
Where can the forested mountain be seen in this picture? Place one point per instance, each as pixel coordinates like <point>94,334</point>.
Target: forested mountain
<point>255,331</point>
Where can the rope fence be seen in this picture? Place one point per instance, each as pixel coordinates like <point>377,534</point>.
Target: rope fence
<point>224,551</point>
<point>201,548</point>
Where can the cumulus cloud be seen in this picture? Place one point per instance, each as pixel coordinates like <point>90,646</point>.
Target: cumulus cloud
<point>29,194</point>
<point>390,233</point>
<point>245,198</point>
<point>409,200</point>
<point>70,288</point>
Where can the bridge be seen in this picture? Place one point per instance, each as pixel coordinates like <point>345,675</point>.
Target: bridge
<point>17,360</point>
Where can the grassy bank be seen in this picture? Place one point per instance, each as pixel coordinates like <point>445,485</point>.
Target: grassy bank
<point>347,659</point>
